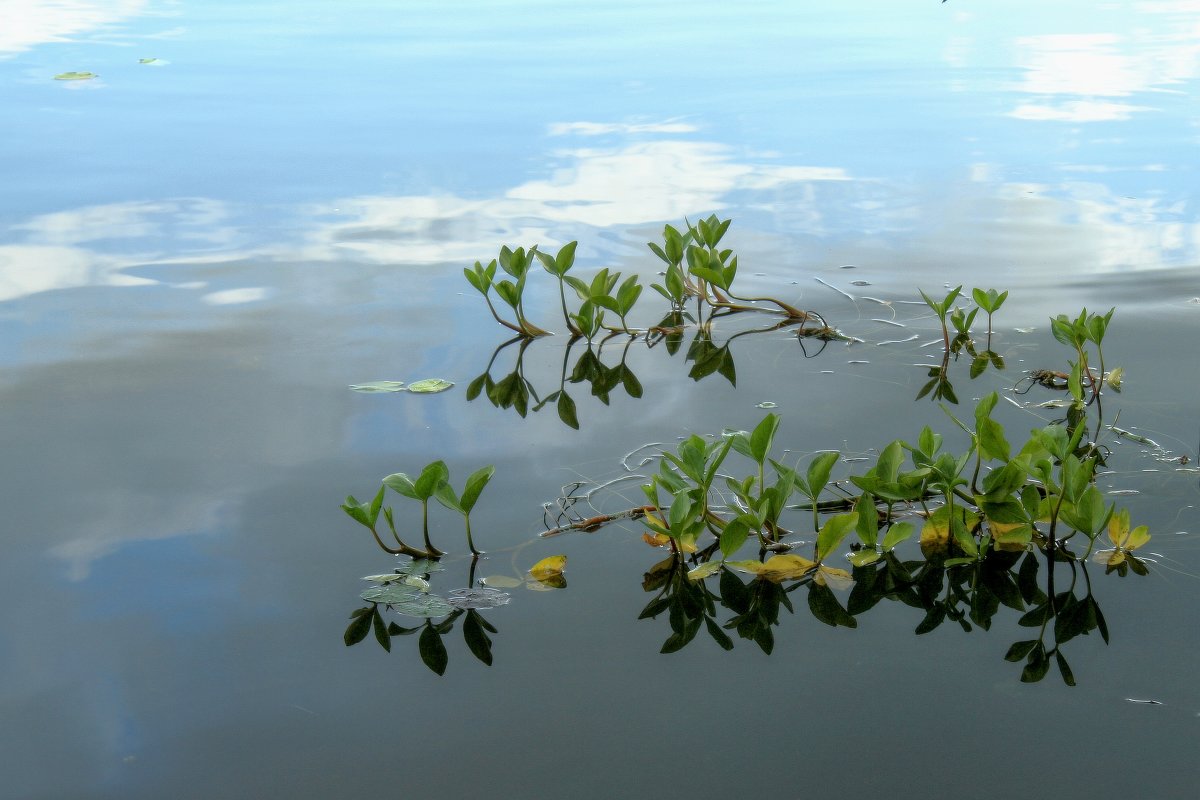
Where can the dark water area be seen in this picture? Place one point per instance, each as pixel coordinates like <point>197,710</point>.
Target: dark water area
<point>200,254</point>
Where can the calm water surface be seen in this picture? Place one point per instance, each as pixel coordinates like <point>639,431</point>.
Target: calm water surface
<point>199,254</point>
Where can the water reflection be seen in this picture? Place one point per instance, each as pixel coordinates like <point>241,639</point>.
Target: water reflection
<point>1026,586</point>
<point>28,23</point>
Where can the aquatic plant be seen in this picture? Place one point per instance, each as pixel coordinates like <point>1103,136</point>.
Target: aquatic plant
<point>433,481</point>
<point>983,514</point>
<point>697,268</point>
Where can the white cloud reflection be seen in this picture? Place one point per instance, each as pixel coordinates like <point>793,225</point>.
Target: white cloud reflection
<point>24,24</point>
<point>635,184</point>
<point>1075,76</point>
<point>53,254</point>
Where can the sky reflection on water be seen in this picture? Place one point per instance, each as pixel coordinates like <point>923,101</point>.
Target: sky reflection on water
<point>196,258</point>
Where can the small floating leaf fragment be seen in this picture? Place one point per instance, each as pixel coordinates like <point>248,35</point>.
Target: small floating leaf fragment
<point>375,387</point>
<point>767,404</point>
<point>429,386</point>
<point>1113,379</point>
<point>75,76</point>
<point>150,61</point>
<point>860,283</point>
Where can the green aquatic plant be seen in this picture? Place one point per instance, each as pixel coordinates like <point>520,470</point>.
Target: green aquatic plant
<point>983,513</point>
<point>697,268</point>
<point>465,502</point>
<point>432,482</point>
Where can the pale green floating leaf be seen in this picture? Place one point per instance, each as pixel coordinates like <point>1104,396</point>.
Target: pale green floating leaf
<point>704,570</point>
<point>374,387</point>
<point>75,76</point>
<point>429,386</point>
<point>149,61</point>
<point>864,557</point>
<point>478,598</point>
<point>502,582</point>
<point>407,600</point>
<point>767,404</point>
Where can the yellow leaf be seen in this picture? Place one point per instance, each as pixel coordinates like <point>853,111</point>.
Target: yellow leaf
<point>548,567</point>
<point>1118,528</point>
<point>786,567</point>
<point>1116,558</point>
<point>1137,537</point>
<point>834,578</point>
<point>935,536</point>
<point>1013,537</point>
<point>548,585</point>
<point>656,540</point>
<point>658,574</point>
<point>752,567</point>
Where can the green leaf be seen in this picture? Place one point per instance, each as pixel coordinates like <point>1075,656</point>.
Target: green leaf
<point>897,534</point>
<point>818,472</point>
<point>381,632</point>
<point>473,598</point>
<point>566,411</point>
<point>430,478</point>
<point>403,484</point>
<point>733,536</point>
<point>825,607</point>
<point>433,650</point>
<point>705,570</point>
<point>477,640</point>
<point>359,627</point>
<point>864,557</point>
<point>75,76</point>
<point>762,437</point>
<point>475,484</point>
<point>1020,649</point>
<point>1064,669</point>
<point>719,636</point>
<point>375,387</point>
<point>429,386</point>
<point>868,520</point>
<point>832,533</point>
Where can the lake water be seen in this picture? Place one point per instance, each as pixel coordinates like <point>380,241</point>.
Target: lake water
<point>201,251</point>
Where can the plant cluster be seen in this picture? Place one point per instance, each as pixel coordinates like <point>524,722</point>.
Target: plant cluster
<point>432,482</point>
<point>983,513</point>
<point>698,269</point>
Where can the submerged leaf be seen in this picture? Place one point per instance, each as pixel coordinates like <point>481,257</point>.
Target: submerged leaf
<point>429,386</point>
<point>375,387</point>
<point>478,598</point>
<point>395,577</point>
<point>408,600</point>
